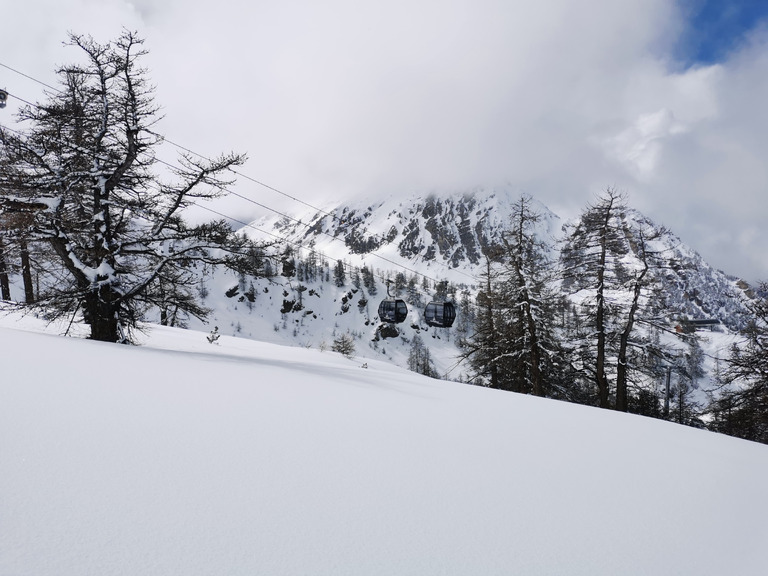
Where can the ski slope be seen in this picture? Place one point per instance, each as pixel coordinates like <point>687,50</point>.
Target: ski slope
<point>179,457</point>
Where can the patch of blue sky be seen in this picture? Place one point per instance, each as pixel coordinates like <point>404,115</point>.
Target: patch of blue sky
<point>717,28</point>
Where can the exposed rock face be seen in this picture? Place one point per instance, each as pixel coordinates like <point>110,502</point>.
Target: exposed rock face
<point>440,233</point>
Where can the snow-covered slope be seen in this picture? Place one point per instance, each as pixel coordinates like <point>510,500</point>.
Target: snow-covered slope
<point>181,457</point>
<point>312,314</point>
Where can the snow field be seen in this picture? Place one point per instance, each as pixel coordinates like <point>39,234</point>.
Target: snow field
<point>182,457</point>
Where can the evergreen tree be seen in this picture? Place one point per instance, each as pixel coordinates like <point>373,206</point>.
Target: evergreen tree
<point>339,274</point>
<point>482,348</point>
<point>312,265</point>
<point>5,285</point>
<point>288,262</point>
<point>369,281</point>
<point>425,287</point>
<point>605,255</point>
<point>344,344</point>
<point>528,302</point>
<point>643,289</point>
<point>514,341</point>
<point>253,261</point>
<point>412,294</point>
<point>16,228</point>
<point>399,285</point>
<point>465,317</point>
<point>441,291</point>
<point>83,172</point>
<point>419,358</point>
<point>594,243</point>
<point>689,370</point>
<point>742,409</point>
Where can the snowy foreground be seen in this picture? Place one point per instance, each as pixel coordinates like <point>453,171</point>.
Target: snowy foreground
<point>184,458</point>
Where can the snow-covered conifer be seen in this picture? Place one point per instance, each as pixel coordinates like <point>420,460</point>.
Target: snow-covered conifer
<point>85,172</point>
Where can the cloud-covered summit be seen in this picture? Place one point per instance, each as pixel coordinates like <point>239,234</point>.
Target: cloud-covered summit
<point>559,99</point>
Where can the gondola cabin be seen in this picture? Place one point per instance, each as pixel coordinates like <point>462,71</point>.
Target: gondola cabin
<point>3,98</point>
<point>393,311</point>
<point>440,314</point>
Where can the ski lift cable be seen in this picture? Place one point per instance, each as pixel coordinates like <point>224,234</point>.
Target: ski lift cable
<point>238,173</point>
<point>299,244</point>
<point>297,221</point>
<point>261,205</point>
<point>231,218</point>
<point>252,179</point>
<point>20,99</point>
<point>251,225</point>
<point>162,138</point>
<point>296,244</point>
<point>20,73</point>
<point>40,107</point>
<point>247,177</point>
<point>319,210</point>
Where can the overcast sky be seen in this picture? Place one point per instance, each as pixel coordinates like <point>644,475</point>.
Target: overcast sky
<point>332,99</point>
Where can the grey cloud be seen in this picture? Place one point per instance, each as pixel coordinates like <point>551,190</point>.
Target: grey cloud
<point>556,98</point>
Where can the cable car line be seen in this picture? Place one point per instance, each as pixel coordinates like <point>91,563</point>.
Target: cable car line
<point>437,313</point>
<point>194,203</point>
<point>247,177</point>
<point>391,310</point>
<point>398,311</point>
<point>30,77</point>
<point>19,98</point>
<point>331,236</point>
<point>280,237</point>
<point>319,210</point>
<point>260,183</point>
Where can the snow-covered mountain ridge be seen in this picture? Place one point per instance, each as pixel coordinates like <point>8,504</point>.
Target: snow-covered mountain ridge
<point>439,234</point>
<point>443,237</point>
<point>299,300</point>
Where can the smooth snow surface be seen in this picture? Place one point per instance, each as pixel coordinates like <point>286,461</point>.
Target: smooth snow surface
<point>246,458</point>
